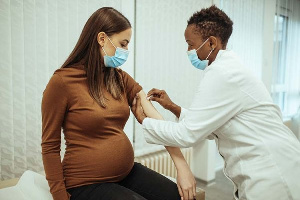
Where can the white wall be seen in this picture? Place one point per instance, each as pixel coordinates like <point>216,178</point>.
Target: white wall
<point>161,59</point>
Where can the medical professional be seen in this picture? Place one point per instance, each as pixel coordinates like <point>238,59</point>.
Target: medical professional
<point>262,156</point>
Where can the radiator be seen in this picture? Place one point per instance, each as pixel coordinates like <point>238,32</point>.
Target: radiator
<point>162,163</point>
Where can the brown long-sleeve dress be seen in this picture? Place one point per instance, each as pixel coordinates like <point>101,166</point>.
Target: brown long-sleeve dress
<point>97,149</point>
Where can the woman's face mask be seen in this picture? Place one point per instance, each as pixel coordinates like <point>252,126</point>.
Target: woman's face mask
<point>196,62</point>
<point>118,59</point>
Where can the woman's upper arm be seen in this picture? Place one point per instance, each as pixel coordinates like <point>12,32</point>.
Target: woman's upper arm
<point>54,105</point>
<point>148,108</point>
<point>131,86</point>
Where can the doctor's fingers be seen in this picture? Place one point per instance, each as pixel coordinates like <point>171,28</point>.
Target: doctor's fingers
<point>155,92</point>
<point>157,99</point>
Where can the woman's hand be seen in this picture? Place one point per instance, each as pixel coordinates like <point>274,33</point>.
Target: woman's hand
<point>137,109</point>
<point>186,183</point>
<point>161,97</point>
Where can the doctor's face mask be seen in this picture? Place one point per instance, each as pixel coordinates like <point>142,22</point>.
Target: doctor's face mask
<point>194,59</point>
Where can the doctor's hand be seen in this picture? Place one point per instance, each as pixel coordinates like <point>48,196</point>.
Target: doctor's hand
<point>137,109</point>
<point>186,184</point>
<point>161,97</point>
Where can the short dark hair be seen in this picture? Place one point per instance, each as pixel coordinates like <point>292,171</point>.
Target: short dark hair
<point>212,21</point>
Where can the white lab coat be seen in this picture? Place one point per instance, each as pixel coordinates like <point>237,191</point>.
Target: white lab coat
<point>262,156</point>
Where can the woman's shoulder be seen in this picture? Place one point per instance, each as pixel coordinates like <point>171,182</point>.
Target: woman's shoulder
<point>70,71</point>
<point>123,73</point>
<point>128,81</point>
<point>125,76</point>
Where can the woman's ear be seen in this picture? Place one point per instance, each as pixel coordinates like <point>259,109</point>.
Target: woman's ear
<point>101,38</point>
<point>213,42</point>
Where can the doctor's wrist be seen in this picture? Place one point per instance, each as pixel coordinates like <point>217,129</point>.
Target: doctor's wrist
<point>175,109</point>
<point>170,106</point>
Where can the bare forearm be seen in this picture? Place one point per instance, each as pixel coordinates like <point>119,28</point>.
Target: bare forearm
<point>148,108</point>
<point>151,112</point>
<point>177,157</point>
<point>186,182</point>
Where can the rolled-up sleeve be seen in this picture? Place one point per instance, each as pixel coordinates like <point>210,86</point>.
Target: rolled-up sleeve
<point>217,100</point>
<point>182,115</point>
<point>131,86</point>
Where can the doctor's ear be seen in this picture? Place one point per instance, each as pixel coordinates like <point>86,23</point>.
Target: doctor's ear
<point>213,42</point>
<point>101,38</point>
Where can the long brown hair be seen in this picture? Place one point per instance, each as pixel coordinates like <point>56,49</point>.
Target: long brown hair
<point>87,52</point>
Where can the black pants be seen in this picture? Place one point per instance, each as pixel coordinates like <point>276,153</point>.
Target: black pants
<point>140,184</point>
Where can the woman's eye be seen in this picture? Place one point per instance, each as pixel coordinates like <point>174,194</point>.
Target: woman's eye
<point>124,43</point>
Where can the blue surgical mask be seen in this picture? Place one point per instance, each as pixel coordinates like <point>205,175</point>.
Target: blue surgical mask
<point>118,59</point>
<point>196,62</point>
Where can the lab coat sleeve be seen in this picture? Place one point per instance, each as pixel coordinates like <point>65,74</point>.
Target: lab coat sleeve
<point>182,115</point>
<point>217,100</point>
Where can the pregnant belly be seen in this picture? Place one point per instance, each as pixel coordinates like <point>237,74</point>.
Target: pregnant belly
<point>108,160</point>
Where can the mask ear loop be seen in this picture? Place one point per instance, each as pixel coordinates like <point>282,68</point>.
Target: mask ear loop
<point>104,51</point>
<point>210,53</point>
<point>202,44</point>
<point>110,42</point>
